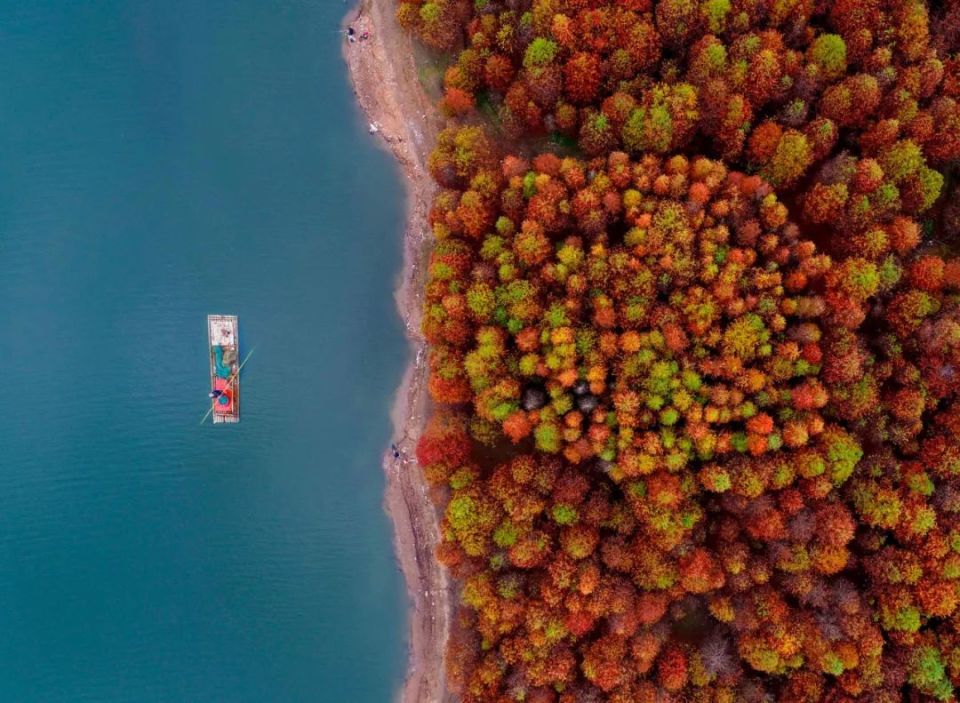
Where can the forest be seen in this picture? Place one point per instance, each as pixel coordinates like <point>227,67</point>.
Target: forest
<point>693,311</point>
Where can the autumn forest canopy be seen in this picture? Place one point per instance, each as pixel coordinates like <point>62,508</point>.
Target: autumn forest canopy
<point>694,321</point>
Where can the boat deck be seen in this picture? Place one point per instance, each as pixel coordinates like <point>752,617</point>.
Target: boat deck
<point>223,331</point>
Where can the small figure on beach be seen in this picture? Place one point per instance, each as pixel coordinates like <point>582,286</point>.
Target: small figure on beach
<point>396,451</point>
<point>364,36</point>
<point>351,34</point>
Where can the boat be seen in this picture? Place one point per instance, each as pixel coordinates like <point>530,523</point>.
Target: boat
<point>224,342</point>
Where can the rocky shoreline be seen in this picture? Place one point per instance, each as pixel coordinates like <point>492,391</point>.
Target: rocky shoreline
<point>385,80</point>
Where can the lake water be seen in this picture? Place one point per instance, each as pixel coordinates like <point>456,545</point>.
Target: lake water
<point>161,160</point>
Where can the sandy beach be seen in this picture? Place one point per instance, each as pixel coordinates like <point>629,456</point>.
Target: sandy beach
<point>398,112</point>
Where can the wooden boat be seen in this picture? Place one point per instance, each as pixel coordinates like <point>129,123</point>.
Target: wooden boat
<point>224,343</point>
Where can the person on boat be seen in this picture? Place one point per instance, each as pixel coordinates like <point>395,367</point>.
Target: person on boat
<point>215,393</point>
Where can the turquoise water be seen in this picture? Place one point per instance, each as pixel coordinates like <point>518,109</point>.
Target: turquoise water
<point>161,160</point>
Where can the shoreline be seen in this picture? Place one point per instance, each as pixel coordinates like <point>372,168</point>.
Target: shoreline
<point>385,81</point>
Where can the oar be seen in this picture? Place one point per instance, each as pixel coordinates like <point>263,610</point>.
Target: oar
<point>234,377</point>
